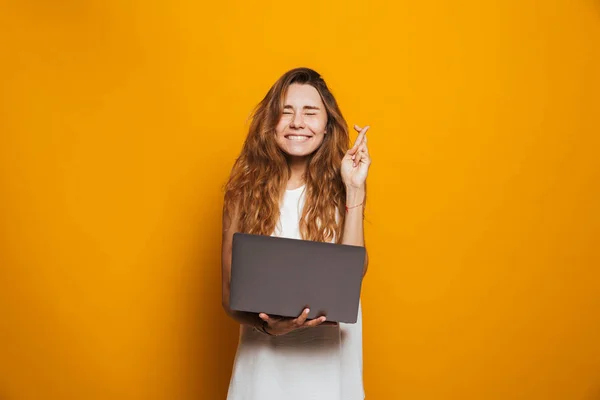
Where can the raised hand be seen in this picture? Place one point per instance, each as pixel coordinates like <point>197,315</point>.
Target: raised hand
<point>356,162</point>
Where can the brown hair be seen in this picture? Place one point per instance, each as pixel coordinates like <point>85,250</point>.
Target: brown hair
<point>260,174</point>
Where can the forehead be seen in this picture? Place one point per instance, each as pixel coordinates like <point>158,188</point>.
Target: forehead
<point>298,94</point>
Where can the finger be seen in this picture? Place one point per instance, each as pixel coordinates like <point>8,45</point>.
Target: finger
<point>352,151</point>
<point>315,322</point>
<point>300,320</point>
<point>358,158</point>
<point>362,148</point>
<point>356,152</point>
<point>359,139</point>
<point>365,159</point>
<point>361,136</point>
<point>360,154</point>
<point>263,316</point>
<point>270,321</point>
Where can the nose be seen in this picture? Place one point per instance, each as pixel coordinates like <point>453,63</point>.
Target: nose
<point>297,121</point>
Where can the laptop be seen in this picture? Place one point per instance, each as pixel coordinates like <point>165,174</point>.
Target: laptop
<point>281,276</point>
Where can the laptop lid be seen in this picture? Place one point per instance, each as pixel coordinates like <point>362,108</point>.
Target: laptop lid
<point>281,276</point>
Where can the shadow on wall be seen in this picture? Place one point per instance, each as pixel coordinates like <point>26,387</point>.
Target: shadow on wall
<point>210,337</point>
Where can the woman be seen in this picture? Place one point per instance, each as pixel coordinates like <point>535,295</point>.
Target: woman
<point>297,178</point>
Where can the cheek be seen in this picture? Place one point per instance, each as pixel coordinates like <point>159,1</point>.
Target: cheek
<point>279,128</point>
<point>281,125</point>
<point>317,126</point>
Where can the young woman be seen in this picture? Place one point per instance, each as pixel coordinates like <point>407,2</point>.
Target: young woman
<point>297,177</point>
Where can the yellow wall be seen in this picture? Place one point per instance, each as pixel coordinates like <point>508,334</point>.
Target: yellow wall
<point>119,122</point>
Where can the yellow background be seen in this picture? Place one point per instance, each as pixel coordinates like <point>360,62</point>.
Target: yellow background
<point>119,124</point>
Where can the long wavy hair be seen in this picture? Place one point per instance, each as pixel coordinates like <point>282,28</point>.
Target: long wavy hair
<point>259,176</point>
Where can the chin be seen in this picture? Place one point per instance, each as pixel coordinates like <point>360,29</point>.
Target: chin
<point>299,150</point>
<point>298,153</point>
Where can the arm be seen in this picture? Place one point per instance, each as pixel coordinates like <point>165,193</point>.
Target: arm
<point>353,228</point>
<point>230,226</point>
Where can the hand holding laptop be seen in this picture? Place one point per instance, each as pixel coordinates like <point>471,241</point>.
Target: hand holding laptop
<point>282,325</point>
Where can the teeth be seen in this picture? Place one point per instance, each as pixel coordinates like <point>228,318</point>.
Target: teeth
<point>299,138</point>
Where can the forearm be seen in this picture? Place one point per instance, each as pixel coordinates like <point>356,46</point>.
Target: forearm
<point>353,227</point>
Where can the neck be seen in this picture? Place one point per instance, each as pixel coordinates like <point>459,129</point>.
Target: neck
<point>298,167</point>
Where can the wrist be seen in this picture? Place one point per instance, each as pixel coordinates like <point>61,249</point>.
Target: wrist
<point>355,195</point>
<point>351,187</point>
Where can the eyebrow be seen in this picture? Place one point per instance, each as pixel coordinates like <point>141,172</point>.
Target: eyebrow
<point>305,107</point>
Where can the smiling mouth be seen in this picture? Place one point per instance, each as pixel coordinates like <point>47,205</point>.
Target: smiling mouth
<point>298,138</point>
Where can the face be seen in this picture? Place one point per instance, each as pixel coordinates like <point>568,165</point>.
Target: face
<point>301,129</point>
